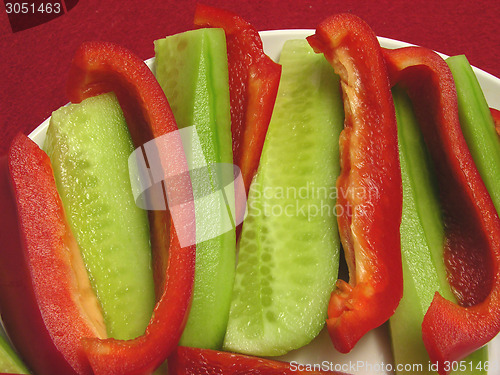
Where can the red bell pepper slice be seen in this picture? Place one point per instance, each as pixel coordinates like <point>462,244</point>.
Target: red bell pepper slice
<point>495,113</point>
<point>45,306</point>
<point>194,361</point>
<point>101,67</point>
<point>369,188</point>
<point>253,86</point>
<point>472,226</point>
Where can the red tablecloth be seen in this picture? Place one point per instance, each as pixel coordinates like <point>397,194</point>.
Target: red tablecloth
<point>34,62</point>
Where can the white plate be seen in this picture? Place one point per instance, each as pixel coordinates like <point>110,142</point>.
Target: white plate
<point>372,355</point>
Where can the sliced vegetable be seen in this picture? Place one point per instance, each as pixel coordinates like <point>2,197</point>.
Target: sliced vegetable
<point>289,248</point>
<point>89,145</point>
<point>102,67</point>
<point>477,125</point>
<point>422,239</point>
<point>47,302</point>
<point>369,187</point>
<point>253,82</point>
<point>472,226</point>
<point>193,361</point>
<point>9,360</point>
<point>192,69</point>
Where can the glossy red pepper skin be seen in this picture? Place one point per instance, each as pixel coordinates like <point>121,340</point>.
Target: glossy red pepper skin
<point>369,188</point>
<point>472,225</point>
<point>101,67</point>
<point>194,361</point>
<point>253,85</point>
<point>38,288</point>
<point>495,113</point>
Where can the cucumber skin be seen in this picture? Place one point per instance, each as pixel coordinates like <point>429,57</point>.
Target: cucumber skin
<point>422,238</point>
<point>89,144</point>
<point>271,331</point>
<point>191,68</point>
<point>9,360</point>
<point>477,125</point>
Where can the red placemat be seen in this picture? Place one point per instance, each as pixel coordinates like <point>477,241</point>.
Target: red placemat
<point>34,61</point>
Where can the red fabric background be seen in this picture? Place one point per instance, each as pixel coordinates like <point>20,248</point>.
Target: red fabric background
<point>34,62</point>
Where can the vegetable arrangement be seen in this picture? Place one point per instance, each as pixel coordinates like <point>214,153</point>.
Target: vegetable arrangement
<point>369,224</point>
<point>95,133</point>
<point>56,313</point>
<point>188,77</point>
<point>290,276</point>
<point>472,228</point>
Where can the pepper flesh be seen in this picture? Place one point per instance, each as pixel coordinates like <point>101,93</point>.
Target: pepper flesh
<point>472,225</point>
<point>194,361</point>
<point>369,187</point>
<point>45,293</point>
<point>253,85</point>
<point>100,67</point>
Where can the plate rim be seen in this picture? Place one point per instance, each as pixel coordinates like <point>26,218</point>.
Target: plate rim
<point>485,78</point>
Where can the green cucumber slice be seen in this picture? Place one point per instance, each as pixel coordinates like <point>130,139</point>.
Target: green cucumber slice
<point>191,68</point>
<point>422,241</point>
<point>289,249</point>
<point>9,360</point>
<point>89,145</point>
<point>477,125</point>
